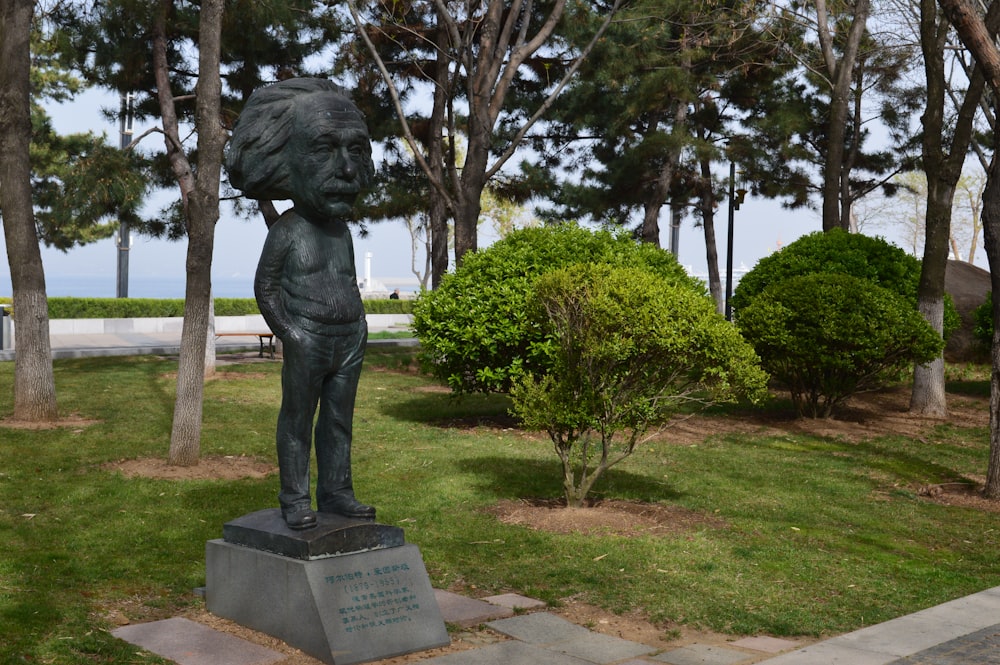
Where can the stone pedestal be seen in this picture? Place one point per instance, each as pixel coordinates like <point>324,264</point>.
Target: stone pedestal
<point>307,589</point>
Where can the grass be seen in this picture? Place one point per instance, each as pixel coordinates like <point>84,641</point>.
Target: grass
<point>819,536</point>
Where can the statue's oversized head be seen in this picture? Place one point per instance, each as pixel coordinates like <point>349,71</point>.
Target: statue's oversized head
<point>304,140</point>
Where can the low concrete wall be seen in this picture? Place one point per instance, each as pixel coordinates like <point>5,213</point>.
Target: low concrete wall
<point>253,322</point>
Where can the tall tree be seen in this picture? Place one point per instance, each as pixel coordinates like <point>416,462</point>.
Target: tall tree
<point>839,75</point>
<point>945,146</point>
<point>200,196</point>
<point>972,29</point>
<point>651,113</point>
<point>147,47</point>
<point>479,52</point>
<point>34,382</point>
<point>82,185</point>
<point>809,139</point>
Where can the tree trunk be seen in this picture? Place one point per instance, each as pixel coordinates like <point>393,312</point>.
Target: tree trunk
<point>977,38</point>
<point>991,235</point>
<point>437,223</point>
<point>943,170</point>
<point>201,214</point>
<point>472,183</point>
<point>707,207</point>
<point>928,397</point>
<point>841,76</point>
<point>34,383</point>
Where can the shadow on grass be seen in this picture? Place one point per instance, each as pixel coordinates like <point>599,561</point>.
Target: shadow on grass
<point>519,478</point>
<point>443,409</point>
<point>888,455</point>
<point>968,388</point>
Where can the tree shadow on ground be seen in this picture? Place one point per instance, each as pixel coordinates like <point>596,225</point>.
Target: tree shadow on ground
<point>442,409</point>
<point>520,478</point>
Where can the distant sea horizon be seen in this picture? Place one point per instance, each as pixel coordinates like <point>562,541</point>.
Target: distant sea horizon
<point>104,286</point>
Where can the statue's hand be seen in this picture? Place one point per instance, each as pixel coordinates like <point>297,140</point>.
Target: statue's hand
<point>293,339</point>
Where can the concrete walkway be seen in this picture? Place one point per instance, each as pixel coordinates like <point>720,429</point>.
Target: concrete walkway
<point>154,343</point>
<point>961,632</point>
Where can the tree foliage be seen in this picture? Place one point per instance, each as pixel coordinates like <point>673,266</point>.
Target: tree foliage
<point>502,62</point>
<point>82,185</point>
<point>810,132</point>
<point>827,336</point>
<point>627,350</point>
<point>839,252</point>
<point>475,329</point>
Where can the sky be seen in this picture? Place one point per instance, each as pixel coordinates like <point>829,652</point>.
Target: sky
<point>156,267</point>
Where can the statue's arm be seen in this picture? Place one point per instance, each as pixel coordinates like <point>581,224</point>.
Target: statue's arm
<point>267,284</point>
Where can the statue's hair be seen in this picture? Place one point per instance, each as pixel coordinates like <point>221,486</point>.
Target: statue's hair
<point>255,157</point>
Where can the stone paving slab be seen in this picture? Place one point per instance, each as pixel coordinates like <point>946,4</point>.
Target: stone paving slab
<point>703,654</point>
<point>602,649</point>
<point>539,628</point>
<point>468,612</point>
<point>510,652</point>
<point>515,601</point>
<point>190,643</point>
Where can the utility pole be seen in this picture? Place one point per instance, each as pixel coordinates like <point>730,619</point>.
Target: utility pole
<point>126,120</point>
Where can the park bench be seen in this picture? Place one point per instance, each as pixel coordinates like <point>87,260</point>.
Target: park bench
<point>263,337</point>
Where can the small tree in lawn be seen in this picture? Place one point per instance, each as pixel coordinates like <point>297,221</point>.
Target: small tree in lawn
<point>629,351</point>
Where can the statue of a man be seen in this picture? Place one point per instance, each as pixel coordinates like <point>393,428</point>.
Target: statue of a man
<point>305,140</point>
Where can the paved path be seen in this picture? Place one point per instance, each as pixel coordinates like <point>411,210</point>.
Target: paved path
<point>960,632</point>
<point>165,343</point>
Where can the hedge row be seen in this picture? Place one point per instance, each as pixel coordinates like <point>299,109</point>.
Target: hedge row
<point>135,308</point>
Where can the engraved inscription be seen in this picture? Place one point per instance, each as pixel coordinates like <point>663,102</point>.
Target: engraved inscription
<point>374,598</point>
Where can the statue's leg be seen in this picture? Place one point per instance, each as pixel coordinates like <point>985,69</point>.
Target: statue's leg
<point>300,386</point>
<point>335,487</point>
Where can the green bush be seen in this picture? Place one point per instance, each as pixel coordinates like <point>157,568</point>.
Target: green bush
<point>828,336</point>
<point>386,306</point>
<point>114,308</point>
<point>840,252</point>
<point>627,351</point>
<point>475,329</point>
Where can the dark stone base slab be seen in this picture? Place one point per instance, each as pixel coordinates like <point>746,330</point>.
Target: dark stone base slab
<point>332,536</point>
<point>341,610</point>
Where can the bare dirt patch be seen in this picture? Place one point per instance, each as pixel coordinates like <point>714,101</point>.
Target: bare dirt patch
<point>223,376</point>
<point>602,517</point>
<point>865,416</point>
<point>209,467</point>
<point>72,421</point>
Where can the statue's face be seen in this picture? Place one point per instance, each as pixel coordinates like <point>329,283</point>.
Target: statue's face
<point>330,155</point>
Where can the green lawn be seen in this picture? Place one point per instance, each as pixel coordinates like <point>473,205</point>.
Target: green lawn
<point>811,535</point>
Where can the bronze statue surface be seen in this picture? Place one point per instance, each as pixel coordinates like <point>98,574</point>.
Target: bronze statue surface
<point>305,140</point>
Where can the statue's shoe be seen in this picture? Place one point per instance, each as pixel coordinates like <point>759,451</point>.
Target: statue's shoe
<point>300,518</point>
<point>347,506</point>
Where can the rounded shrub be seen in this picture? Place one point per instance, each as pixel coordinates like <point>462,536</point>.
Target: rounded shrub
<point>828,336</point>
<point>475,329</point>
<point>628,351</point>
<point>840,252</point>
